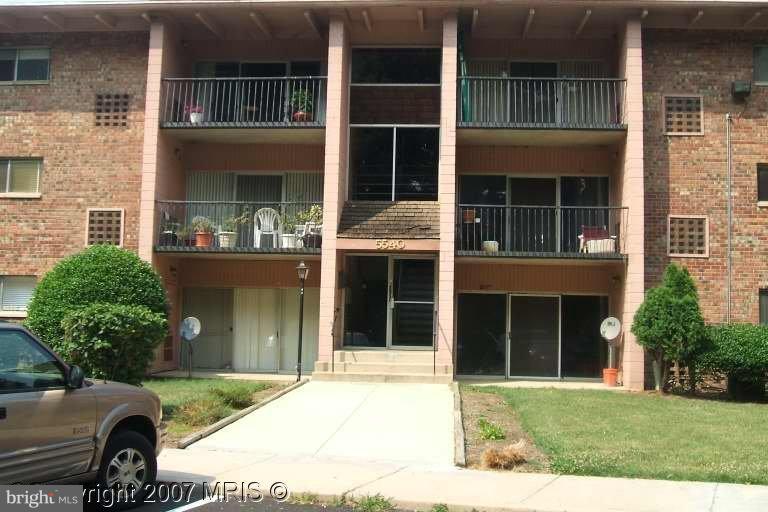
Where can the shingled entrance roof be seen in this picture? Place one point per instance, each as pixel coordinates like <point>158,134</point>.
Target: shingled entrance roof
<point>401,219</point>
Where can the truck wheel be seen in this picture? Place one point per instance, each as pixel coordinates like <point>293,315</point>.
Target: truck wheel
<point>127,464</point>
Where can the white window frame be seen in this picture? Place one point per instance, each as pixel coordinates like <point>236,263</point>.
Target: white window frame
<point>664,114</point>
<point>706,236</point>
<point>15,80</point>
<point>11,313</point>
<point>97,209</point>
<point>5,187</point>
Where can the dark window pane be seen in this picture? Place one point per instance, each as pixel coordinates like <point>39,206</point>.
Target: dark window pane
<point>416,164</point>
<point>308,68</point>
<point>481,334</point>
<point>414,280</point>
<point>396,65</point>
<point>7,65</point>
<point>761,63</point>
<point>365,311</point>
<point>25,366</point>
<point>762,182</point>
<point>583,349</point>
<point>394,105</point>
<point>262,69</point>
<point>33,64</point>
<point>533,332</point>
<point>412,325</point>
<point>371,163</point>
<point>764,307</point>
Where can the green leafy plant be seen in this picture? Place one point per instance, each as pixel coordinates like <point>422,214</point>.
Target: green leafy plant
<point>375,503</point>
<point>739,351</point>
<point>202,224</point>
<point>490,431</point>
<point>238,397</point>
<point>102,274</point>
<point>301,101</point>
<point>112,341</point>
<point>233,222</point>
<point>669,323</point>
<point>313,214</point>
<point>305,498</point>
<point>439,507</point>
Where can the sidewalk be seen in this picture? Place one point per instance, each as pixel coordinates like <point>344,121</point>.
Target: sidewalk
<point>412,486</point>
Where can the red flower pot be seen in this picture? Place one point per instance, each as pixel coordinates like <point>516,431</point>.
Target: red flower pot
<point>203,239</point>
<point>610,376</point>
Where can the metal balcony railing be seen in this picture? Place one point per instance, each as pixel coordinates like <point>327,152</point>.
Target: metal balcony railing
<point>243,102</point>
<point>541,231</point>
<point>236,226</point>
<point>535,103</point>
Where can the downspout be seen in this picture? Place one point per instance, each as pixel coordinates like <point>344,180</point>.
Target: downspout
<point>729,215</point>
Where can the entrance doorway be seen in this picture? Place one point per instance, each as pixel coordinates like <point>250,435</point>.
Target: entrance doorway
<point>389,302</point>
<point>531,336</point>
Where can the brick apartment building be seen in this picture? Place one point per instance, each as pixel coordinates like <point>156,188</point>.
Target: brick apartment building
<point>474,186</point>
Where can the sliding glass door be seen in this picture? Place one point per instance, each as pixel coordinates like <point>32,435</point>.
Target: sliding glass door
<point>534,336</point>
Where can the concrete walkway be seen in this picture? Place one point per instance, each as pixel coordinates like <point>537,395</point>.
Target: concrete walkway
<point>417,487</point>
<point>399,423</point>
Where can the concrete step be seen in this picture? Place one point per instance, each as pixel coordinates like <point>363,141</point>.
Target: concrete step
<point>392,368</point>
<point>416,378</point>
<point>384,356</point>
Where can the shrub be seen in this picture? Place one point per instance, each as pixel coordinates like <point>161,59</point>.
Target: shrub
<point>201,412</point>
<point>669,324</point>
<point>112,341</point>
<point>238,397</point>
<point>490,431</point>
<point>739,351</point>
<point>100,274</point>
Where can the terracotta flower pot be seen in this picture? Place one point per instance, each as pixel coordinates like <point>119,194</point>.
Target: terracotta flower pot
<point>610,376</point>
<point>203,239</point>
<point>302,117</point>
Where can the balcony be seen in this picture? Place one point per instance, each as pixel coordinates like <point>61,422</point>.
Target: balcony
<point>555,110</point>
<point>284,109</point>
<point>571,232</point>
<point>238,227</point>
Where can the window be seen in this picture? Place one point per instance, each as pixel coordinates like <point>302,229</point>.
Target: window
<point>688,236</point>
<point>762,182</point>
<point>105,226</point>
<point>24,64</point>
<point>396,66</point>
<point>683,115</point>
<point>760,64</point>
<point>20,176</point>
<point>764,306</point>
<point>25,365</point>
<point>16,292</point>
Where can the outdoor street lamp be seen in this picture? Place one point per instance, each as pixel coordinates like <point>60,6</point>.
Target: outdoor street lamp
<point>303,272</point>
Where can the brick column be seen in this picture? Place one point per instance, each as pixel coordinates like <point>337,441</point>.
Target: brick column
<point>447,192</point>
<point>336,121</point>
<point>157,37</point>
<point>632,196</point>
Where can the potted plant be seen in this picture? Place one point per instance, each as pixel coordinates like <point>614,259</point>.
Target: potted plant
<point>490,246</point>
<point>203,229</point>
<point>313,215</point>
<point>289,240</point>
<point>228,235</point>
<point>195,113</point>
<point>301,103</point>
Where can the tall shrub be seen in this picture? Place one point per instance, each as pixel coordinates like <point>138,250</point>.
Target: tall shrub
<point>102,274</point>
<point>112,341</point>
<point>740,351</point>
<point>669,324</point>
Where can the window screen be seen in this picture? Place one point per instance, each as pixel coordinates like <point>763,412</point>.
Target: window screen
<point>762,182</point>
<point>682,114</point>
<point>20,176</point>
<point>33,64</point>
<point>396,66</point>
<point>16,292</point>
<point>687,236</point>
<point>760,64</point>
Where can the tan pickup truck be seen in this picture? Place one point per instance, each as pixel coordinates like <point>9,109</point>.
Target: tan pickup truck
<point>57,426</point>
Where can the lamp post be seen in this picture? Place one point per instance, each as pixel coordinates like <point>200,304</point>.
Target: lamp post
<point>303,271</point>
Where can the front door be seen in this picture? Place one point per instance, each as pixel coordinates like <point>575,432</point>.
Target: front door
<point>389,302</point>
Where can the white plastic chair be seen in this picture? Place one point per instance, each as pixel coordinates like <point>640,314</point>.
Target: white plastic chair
<point>264,223</point>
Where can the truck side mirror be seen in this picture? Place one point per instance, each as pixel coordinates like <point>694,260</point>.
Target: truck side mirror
<point>75,377</point>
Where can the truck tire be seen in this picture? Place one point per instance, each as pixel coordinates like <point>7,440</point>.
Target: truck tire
<point>128,462</point>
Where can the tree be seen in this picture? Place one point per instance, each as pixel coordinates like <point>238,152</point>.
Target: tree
<point>669,324</point>
<point>102,274</point>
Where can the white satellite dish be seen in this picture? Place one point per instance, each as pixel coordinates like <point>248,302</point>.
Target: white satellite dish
<point>610,328</point>
<point>190,328</point>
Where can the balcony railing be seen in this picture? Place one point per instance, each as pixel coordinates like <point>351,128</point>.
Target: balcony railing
<point>243,102</point>
<point>541,231</point>
<point>537,103</point>
<point>240,227</point>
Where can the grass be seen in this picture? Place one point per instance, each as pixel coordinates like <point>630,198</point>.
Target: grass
<point>375,503</point>
<point>190,404</point>
<point>489,431</point>
<point>644,435</point>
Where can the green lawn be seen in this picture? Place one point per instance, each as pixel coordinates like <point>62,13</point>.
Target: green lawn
<point>644,435</point>
<point>190,404</point>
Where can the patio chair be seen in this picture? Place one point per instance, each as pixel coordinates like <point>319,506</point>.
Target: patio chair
<point>267,221</point>
<point>596,239</point>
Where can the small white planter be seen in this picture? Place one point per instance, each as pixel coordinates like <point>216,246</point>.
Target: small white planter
<point>490,246</point>
<point>195,117</point>
<point>227,239</point>
<point>289,241</point>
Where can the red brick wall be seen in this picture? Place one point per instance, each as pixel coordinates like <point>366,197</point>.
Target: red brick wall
<point>687,174</point>
<point>83,165</point>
